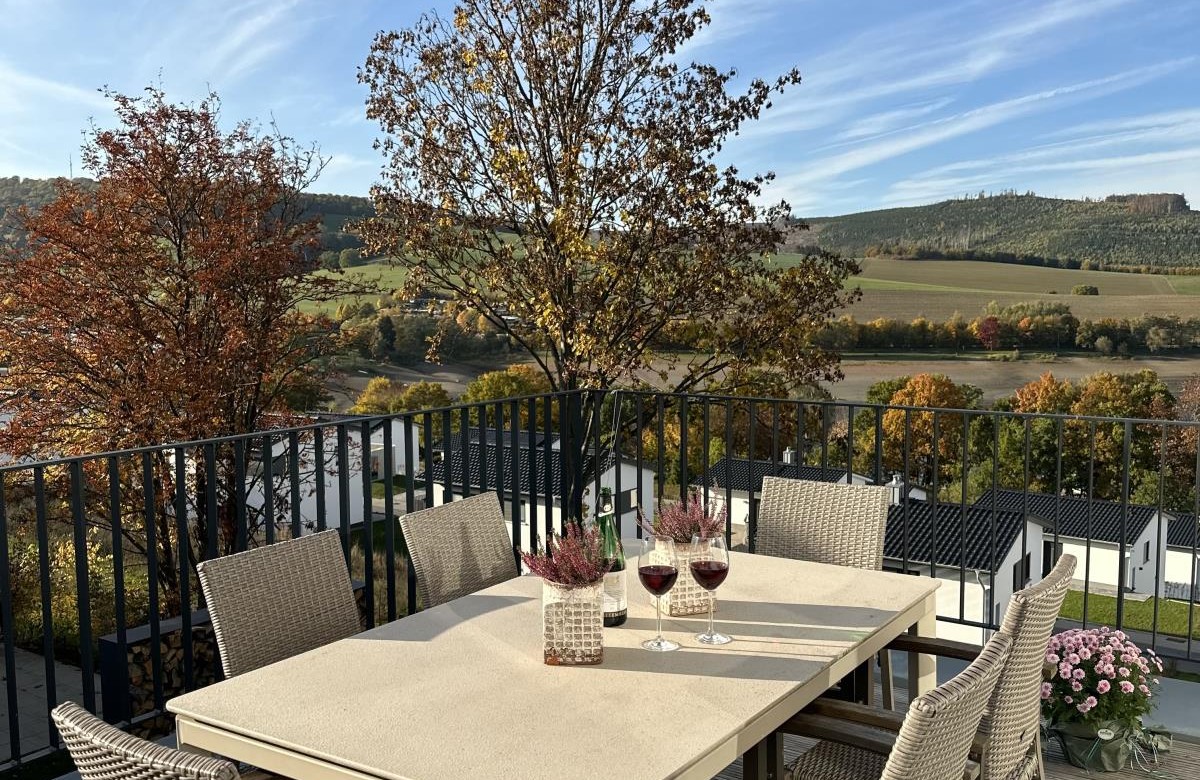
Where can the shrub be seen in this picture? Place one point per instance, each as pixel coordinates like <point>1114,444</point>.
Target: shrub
<point>25,576</point>
<point>1085,289</point>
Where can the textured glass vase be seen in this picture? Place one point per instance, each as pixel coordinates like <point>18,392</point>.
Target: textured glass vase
<point>687,597</point>
<point>573,624</point>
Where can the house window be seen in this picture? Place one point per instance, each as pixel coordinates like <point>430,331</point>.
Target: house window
<point>1050,555</point>
<point>1021,572</point>
<point>1146,554</point>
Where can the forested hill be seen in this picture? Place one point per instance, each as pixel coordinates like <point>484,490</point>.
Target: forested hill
<point>1122,230</point>
<point>335,210</point>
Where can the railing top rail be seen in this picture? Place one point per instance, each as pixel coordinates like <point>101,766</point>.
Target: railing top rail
<point>358,420</point>
<point>350,420</point>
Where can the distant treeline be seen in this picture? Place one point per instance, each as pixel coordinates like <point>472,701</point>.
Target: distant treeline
<point>910,252</point>
<point>1035,325</point>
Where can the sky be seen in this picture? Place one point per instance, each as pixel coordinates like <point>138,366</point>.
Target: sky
<point>903,102</point>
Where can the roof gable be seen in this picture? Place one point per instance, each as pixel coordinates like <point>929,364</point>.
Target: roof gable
<point>1076,516</point>
<point>920,531</point>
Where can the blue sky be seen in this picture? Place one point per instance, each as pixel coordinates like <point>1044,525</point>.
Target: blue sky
<point>903,102</point>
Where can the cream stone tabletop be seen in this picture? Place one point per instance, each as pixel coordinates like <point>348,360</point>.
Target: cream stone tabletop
<point>460,691</point>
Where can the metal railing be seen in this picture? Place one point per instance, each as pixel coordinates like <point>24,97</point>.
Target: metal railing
<point>98,552</point>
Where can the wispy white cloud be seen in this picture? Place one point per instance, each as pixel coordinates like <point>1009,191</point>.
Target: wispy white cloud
<point>21,89</point>
<point>932,132</point>
<point>886,121</point>
<point>731,19</point>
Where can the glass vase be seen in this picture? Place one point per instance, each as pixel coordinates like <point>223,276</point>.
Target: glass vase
<point>573,624</point>
<point>687,597</point>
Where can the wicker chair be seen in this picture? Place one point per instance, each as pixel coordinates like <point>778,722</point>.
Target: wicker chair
<point>1008,743</point>
<point>459,548</point>
<point>104,752</point>
<point>277,601</point>
<point>822,522</point>
<point>933,742</point>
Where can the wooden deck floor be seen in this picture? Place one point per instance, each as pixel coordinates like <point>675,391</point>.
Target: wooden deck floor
<point>1182,763</point>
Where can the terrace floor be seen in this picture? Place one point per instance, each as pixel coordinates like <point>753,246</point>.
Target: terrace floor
<point>1182,763</point>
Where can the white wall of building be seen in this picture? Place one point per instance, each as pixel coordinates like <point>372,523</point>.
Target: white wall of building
<point>1100,562</point>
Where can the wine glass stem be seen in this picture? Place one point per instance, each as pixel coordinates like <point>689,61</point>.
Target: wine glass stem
<point>710,614</point>
<point>658,615</point>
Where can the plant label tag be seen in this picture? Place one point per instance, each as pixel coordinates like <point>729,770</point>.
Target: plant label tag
<point>1105,734</point>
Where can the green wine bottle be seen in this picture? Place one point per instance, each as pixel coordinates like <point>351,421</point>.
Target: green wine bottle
<point>616,607</point>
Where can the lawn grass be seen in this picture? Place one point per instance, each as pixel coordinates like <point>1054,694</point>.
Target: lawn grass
<point>1139,615</point>
<point>380,278</point>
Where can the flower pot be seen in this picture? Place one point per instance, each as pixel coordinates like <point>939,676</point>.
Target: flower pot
<point>1101,746</point>
<point>572,624</point>
<point>687,597</point>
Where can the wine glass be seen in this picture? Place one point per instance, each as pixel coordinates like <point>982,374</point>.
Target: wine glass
<point>658,569</point>
<point>710,566</point>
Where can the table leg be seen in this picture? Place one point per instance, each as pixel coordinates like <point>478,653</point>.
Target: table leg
<point>764,761</point>
<point>922,668</point>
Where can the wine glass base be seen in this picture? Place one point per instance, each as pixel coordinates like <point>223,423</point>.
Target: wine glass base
<point>713,638</point>
<point>660,645</point>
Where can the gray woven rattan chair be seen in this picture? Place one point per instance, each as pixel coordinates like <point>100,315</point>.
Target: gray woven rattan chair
<point>459,548</point>
<point>104,752</point>
<point>933,742</point>
<point>822,522</point>
<point>1008,744</point>
<point>277,601</point>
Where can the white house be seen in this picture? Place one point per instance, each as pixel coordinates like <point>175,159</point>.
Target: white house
<point>1091,530</point>
<point>1181,574</point>
<point>980,563</point>
<point>535,484</point>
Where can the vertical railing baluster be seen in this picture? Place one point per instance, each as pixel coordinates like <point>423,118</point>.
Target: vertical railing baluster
<point>6,616</point>
<point>389,498</point>
<point>903,489</point>
<point>448,459</point>
<point>1161,550</point>
<point>241,541</point>
<point>210,498</point>
<point>684,415</point>
<point>660,414</point>
<point>268,467</point>
<point>850,444</point>
<point>933,503</point>
<point>83,595</point>
<point>755,486</point>
<point>43,542</point>
<point>343,483</point>
<point>294,482</point>
<point>319,476</point>
<point>1123,543</point>
<point>184,545</point>
<point>548,466</point>
<point>962,514</point>
<point>1087,555</point>
<point>514,476</point>
<point>877,476</point>
<point>618,464</point>
<point>121,683</point>
<point>531,485</point>
<point>705,446</point>
<point>367,540</point>
<point>151,519</point>
<point>729,456</point>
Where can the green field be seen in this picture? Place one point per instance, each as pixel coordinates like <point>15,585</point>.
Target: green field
<point>905,289</point>
<point>380,278</point>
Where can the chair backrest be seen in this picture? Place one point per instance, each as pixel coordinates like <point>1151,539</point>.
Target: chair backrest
<point>276,601</point>
<point>104,752</point>
<point>459,548</point>
<point>1012,719</point>
<point>823,522</point>
<point>935,739</point>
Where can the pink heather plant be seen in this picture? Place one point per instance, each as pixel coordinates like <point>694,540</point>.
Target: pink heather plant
<point>682,523</point>
<point>1098,675</point>
<point>572,561</point>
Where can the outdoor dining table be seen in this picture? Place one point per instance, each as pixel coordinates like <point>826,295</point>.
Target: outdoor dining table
<point>460,690</point>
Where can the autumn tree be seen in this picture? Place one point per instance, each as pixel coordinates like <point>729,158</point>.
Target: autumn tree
<point>388,396</point>
<point>932,440</point>
<point>160,305</point>
<point>553,166</point>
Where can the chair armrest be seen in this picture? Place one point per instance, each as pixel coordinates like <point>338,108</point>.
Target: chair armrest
<point>835,730</point>
<point>945,648</point>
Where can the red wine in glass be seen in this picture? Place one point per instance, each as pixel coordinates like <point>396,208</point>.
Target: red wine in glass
<point>709,574</point>
<point>709,565</point>
<point>658,569</point>
<point>658,578</point>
